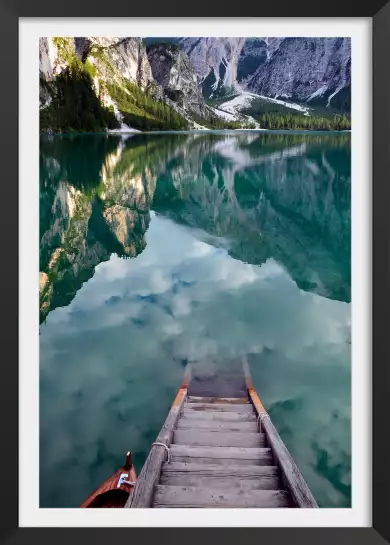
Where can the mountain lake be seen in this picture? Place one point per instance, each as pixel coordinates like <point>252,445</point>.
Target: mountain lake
<point>160,249</point>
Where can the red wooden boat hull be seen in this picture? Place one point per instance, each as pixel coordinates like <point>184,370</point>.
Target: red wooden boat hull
<point>115,490</point>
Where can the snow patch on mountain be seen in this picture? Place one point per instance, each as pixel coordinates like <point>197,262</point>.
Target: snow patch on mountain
<point>334,94</point>
<point>244,99</point>
<point>238,103</point>
<point>304,109</point>
<point>321,91</point>
<point>223,114</point>
<point>236,116</point>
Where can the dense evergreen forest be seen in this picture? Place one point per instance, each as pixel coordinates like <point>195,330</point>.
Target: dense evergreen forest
<point>141,111</point>
<point>73,104</point>
<point>276,120</point>
<point>271,115</point>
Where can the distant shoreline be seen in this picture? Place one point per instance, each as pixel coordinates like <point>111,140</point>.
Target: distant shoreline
<point>197,131</point>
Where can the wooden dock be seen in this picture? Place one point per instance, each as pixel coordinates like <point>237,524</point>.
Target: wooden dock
<point>219,448</point>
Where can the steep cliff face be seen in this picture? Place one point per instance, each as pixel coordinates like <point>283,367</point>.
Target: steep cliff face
<point>305,69</point>
<point>314,70</point>
<point>118,57</point>
<point>69,96</point>
<point>215,61</point>
<point>90,83</point>
<point>54,54</point>
<point>108,60</point>
<point>173,70</point>
<point>253,54</point>
<point>45,60</point>
<point>124,57</point>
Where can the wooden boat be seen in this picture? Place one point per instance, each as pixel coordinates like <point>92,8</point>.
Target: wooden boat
<point>115,491</point>
<point>219,448</point>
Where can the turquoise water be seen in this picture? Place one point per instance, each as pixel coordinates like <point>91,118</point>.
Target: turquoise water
<point>161,249</point>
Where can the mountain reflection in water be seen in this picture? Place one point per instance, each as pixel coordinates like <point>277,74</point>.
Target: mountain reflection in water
<point>285,197</point>
<point>242,247</point>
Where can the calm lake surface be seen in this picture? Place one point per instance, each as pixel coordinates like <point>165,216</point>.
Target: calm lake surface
<point>161,249</point>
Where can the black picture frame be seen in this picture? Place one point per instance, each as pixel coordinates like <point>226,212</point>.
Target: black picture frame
<point>10,12</point>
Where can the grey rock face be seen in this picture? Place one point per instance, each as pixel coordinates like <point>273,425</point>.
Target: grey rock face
<point>82,47</point>
<point>253,54</point>
<point>105,41</point>
<point>305,69</point>
<point>173,70</point>
<point>45,64</point>
<point>314,70</point>
<point>224,63</point>
<point>128,58</point>
<point>214,59</point>
<point>51,64</point>
<point>52,60</point>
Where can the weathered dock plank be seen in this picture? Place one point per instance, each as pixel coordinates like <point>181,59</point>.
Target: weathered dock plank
<point>213,469</point>
<point>181,496</point>
<point>218,400</point>
<point>220,407</point>
<point>218,438</point>
<point>219,416</point>
<point>216,425</point>
<point>219,453</point>
<point>231,482</point>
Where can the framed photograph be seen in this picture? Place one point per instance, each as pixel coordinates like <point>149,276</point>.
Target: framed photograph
<point>195,200</point>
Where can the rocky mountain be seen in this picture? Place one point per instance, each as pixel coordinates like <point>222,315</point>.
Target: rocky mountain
<point>125,57</point>
<point>90,83</point>
<point>253,54</point>
<point>215,61</point>
<point>311,70</point>
<point>172,69</point>
<point>125,83</point>
<point>307,70</point>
